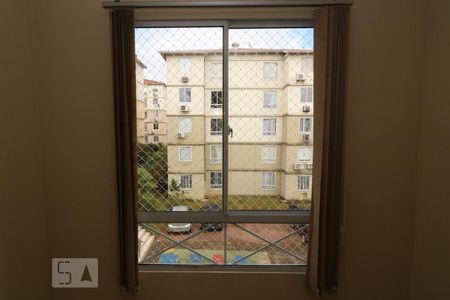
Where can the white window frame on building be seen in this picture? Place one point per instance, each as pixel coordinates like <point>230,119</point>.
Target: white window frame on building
<point>186,181</point>
<point>218,158</point>
<point>304,183</point>
<point>185,95</point>
<point>270,71</point>
<point>303,126</point>
<point>215,180</point>
<point>216,70</point>
<point>186,128</point>
<point>217,125</point>
<point>306,94</point>
<point>216,99</point>
<point>269,154</point>
<point>155,101</point>
<point>185,65</point>
<point>268,180</point>
<point>185,153</point>
<point>270,99</point>
<point>269,127</point>
<point>156,139</point>
<point>305,153</point>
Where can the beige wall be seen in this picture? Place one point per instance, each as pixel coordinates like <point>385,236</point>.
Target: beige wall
<point>24,264</point>
<point>431,262</point>
<point>376,254</point>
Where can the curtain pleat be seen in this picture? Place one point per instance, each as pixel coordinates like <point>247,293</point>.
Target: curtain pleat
<point>331,25</point>
<point>125,118</point>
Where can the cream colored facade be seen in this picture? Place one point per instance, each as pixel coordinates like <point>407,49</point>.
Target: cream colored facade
<point>140,101</point>
<point>270,151</point>
<point>155,112</point>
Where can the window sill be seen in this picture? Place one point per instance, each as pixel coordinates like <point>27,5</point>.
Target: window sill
<point>270,269</point>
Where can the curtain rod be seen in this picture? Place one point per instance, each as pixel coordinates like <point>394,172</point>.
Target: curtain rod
<point>261,3</point>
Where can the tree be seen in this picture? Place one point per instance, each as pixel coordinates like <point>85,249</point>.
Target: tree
<point>153,158</point>
<point>175,188</point>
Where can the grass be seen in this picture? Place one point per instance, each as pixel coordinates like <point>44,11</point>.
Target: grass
<point>154,202</point>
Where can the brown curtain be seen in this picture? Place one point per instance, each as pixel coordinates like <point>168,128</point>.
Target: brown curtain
<point>125,114</point>
<point>330,69</point>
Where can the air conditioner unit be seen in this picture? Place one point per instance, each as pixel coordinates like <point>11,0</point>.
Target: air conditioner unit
<point>184,79</point>
<point>299,166</point>
<point>184,108</point>
<point>181,135</point>
<point>306,137</point>
<point>300,77</point>
<point>310,166</point>
<point>306,108</point>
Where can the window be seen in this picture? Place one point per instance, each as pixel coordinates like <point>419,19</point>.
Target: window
<point>216,99</point>
<point>215,180</point>
<point>216,126</point>
<point>216,70</point>
<point>146,139</point>
<point>269,127</point>
<point>185,65</point>
<point>185,153</point>
<point>185,125</point>
<point>268,180</point>
<point>145,115</point>
<point>270,99</point>
<point>270,70</point>
<point>145,126</point>
<point>185,95</point>
<point>155,90</point>
<point>155,126</point>
<point>215,153</point>
<point>306,94</point>
<point>305,153</point>
<point>307,65</point>
<point>156,139</point>
<point>186,182</point>
<point>303,182</point>
<point>305,124</point>
<point>269,154</point>
<point>155,113</point>
<point>155,101</point>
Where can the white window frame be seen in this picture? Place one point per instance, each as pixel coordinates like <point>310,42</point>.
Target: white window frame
<point>182,128</point>
<point>215,132</point>
<point>270,185</point>
<point>304,68</point>
<point>189,181</point>
<point>219,99</point>
<point>306,94</point>
<point>156,139</point>
<point>216,70</point>
<point>302,124</point>
<point>266,70</point>
<point>266,131</point>
<point>270,99</point>
<point>189,153</point>
<point>185,95</point>
<point>217,160</point>
<point>310,152</point>
<point>216,186</point>
<point>301,184</point>
<point>185,65</point>
<point>269,160</point>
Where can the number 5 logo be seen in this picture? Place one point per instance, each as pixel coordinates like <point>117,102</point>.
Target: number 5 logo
<point>64,273</point>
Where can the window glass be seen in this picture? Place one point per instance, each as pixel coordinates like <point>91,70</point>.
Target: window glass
<point>307,65</point>
<point>185,153</point>
<point>185,95</point>
<point>216,99</point>
<point>270,70</point>
<point>306,124</point>
<point>216,70</point>
<point>268,180</point>
<point>270,99</point>
<point>269,154</point>
<point>216,126</point>
<point>216,180</point>
<point>216,153</point>
<point>186,181</point>
<point>304,153</point>
<point>185,125</point>
<point>185,65</point>
<point>303,182</point>
<point>155,138</point>
<point>269,127</point>
<point>306,94</point>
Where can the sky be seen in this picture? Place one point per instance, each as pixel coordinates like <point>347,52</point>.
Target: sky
<point>149,41</point>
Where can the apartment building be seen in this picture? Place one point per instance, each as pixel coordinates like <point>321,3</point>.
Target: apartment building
<point>140,101</point>
<point>155,112</point>
<point>270,116</point>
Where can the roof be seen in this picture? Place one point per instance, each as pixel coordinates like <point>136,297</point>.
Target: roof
<point>153,82</point>
<point>139,62</point>
<point>238,51</point>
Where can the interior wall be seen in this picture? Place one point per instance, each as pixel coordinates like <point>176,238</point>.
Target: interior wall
<point>78,127</point>
<point>431,263</point>
<point>23,257</point>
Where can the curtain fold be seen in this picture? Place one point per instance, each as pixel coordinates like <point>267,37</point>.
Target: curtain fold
<point>331,25</point>
<point>125,118</point>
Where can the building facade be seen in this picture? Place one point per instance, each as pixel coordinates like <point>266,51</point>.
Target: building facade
<point>155,112</point>
<point>141,95</point>
<point>270,115</point>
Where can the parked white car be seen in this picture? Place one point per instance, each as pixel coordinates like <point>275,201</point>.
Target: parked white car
<point>179,227</point>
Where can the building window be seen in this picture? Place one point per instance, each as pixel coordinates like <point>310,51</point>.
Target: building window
<point>269,154</point>
<point>306,94</point>
<point>186,182</point>
<point>268,180</point>
<point>216,99</point>
<point>155,101</point>
<point>216,126</point>
<point>155,126</point>
<point>270,99</point>
<point>185,125</point>
<point>146,139</point>
<point>303,183</point>
<point>305,153</point>
<point>185,65</point>
<point>307,65</point>
<point>305,124</point>
<point>215,153</point>
<point>155,113</point>
<point>270,70</point>
<point>215,180</point>
<point>155,90</point>
<point>185,153</point>
<point>185,95</point>
<point>216,70</point>
<point>145,115</point>
<point>269,127</point>
<point>156,139</point>
<point>145,126</point>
